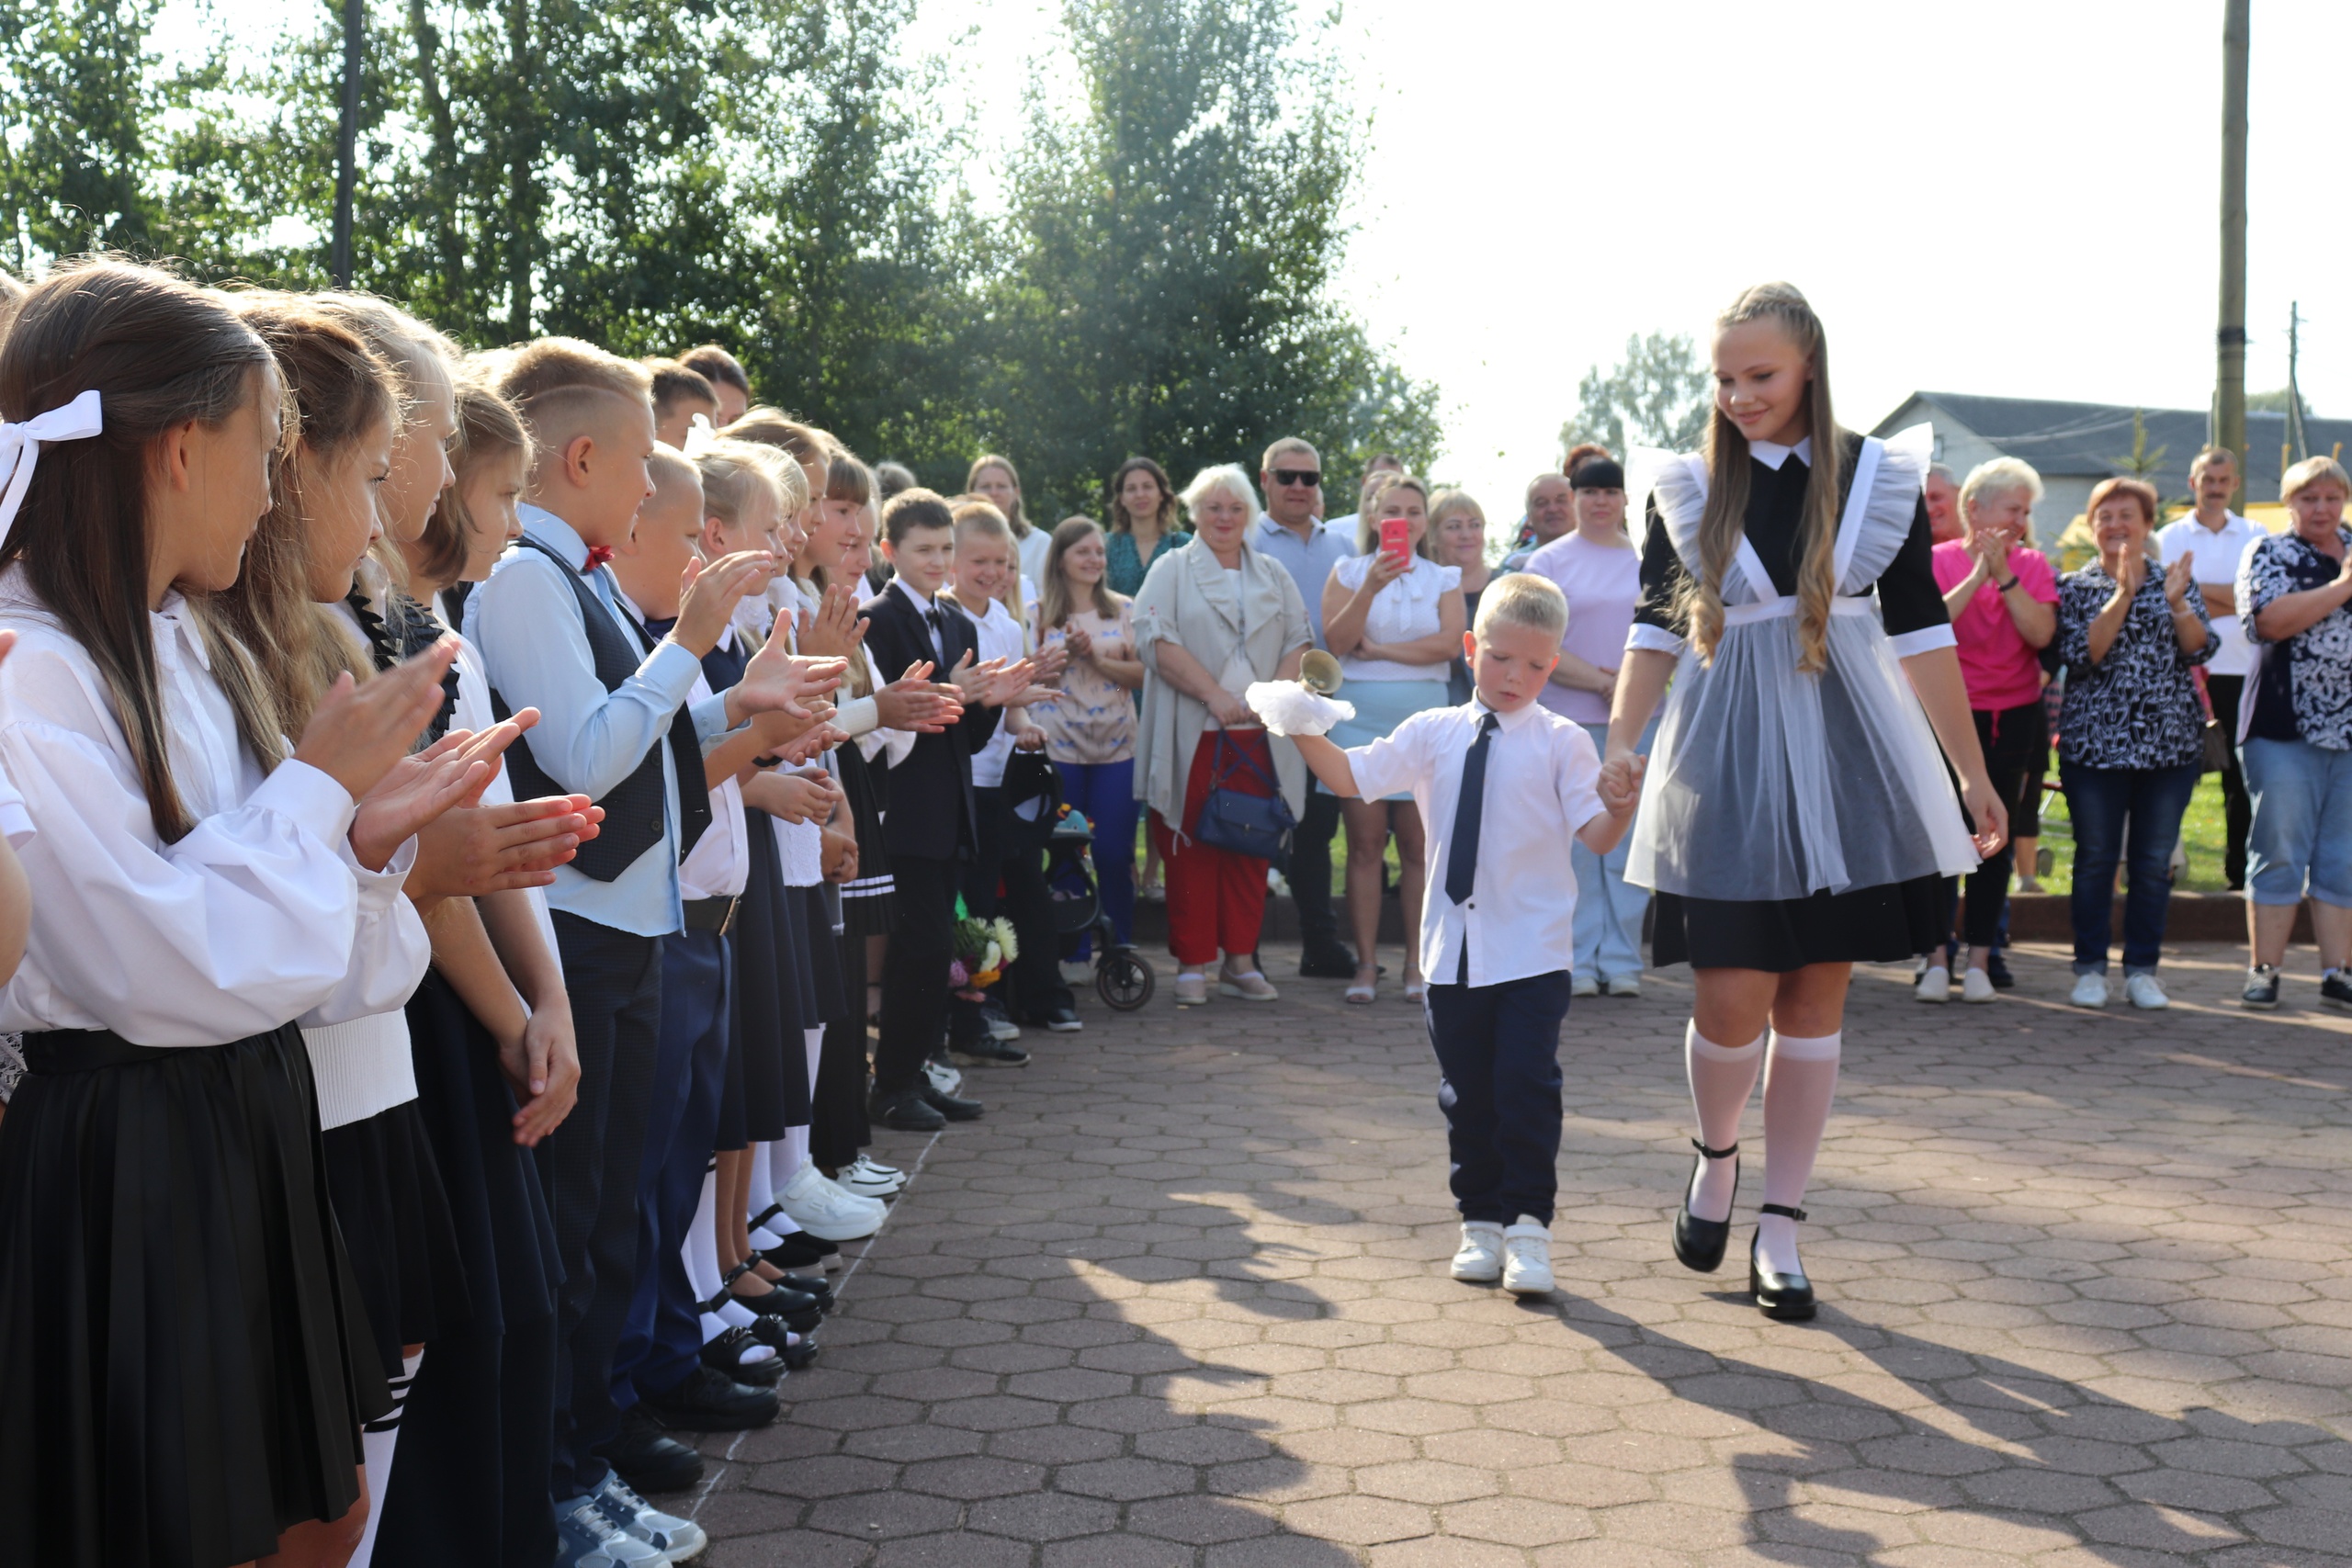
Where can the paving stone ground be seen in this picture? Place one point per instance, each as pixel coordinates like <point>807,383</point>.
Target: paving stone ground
<point>1181,1300</point>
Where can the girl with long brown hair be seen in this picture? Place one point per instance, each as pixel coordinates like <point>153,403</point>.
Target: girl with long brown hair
<point>1796,818</point>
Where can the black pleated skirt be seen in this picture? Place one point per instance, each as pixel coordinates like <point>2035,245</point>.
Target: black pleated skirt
<point>1861,925</point>
<point>184,1355</point>
<point>865,901</point>
<point>394,1215</point>
<point>760,1100</point>
<point>505,1238</point>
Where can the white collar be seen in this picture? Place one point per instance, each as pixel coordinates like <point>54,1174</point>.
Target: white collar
<point>1512,720</point>
<point>2229,520</point>
<point>553,531</point>
<point>1772,454</point>
<point>919,602</point>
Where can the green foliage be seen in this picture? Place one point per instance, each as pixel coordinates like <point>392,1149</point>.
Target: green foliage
<point>1658,396</point>
<point>2279,402</point>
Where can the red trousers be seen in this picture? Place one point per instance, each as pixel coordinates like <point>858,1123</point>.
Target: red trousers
<point>1215,898</point>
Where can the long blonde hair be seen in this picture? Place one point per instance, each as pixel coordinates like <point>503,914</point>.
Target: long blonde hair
<point>1721,525</point>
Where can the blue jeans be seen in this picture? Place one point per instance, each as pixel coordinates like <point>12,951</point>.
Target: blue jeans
<point>1608,911</point>
<point>1105,792</point>
<point>2302,822</point>
<point>1499,1058</point>
<point>2100,801</point>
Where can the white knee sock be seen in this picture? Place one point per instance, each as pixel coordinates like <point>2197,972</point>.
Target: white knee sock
<point>1722,1078</point>
<point>377,1441</point>
<point>763,1188</point>
<point>1800,1082</point>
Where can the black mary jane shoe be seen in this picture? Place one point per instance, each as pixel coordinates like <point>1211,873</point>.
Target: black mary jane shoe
<point>1699,1244</point>
<point>725,1354</point>
<point>798,1311</point>
<point>794,1353</point>
<point>1785,1297</point>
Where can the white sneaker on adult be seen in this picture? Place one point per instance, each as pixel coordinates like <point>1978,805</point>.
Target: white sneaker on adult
<point>2090,990</point>
<point>1480,1259</point>
<point>946,1079</point>
<point>1527,1258</point>
<point>1621,985</point>
<point>675,1539</point>
<point>2143,992</point>
<point>861,1180</point>
<point>1583,985</point>
<point>826,1212</point>
<point>1934,985</point>
<point>1977,987</point>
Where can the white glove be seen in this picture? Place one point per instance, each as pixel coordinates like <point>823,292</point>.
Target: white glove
<point>1290,708</point>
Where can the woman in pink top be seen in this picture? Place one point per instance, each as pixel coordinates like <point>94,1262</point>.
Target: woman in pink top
<point>2003,601</point>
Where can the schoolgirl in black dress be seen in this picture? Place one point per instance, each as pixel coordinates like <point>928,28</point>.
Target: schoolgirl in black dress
<point>183,1355</point>
<point>1796,818</point>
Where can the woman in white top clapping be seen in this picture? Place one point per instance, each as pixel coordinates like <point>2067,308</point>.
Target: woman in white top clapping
<point>1395,618</point>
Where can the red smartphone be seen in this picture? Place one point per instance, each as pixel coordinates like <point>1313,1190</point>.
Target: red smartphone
<point>1396,540</point>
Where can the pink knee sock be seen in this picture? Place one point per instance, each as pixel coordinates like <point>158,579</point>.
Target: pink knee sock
<point>1722,1078</point>
<point>1800,1082</point>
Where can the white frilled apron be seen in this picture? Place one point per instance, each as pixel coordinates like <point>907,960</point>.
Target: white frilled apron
<point>1766,784</point>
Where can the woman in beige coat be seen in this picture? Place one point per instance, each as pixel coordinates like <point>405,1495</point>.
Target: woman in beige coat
<point>1211,618</point>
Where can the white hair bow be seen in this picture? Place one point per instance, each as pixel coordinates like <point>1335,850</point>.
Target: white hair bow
<point>699,435</point>
<point>20,447</point>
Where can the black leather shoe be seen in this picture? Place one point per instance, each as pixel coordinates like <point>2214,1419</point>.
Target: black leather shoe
<point>807,1284</point>
<point>1787,1297</point>
<point>794,1351</point>
<point>987,1051</point>
<point>1996,969</point>
<point>949,1105</point>
<point>905,1110</point>
<point>799,1311</point>
<point>801,1250</point>
<point>1699,1244</point>
<point>708,1401</point>
<point>648,1459</point>
<point>1328,961</point>
<point>724,1356</point>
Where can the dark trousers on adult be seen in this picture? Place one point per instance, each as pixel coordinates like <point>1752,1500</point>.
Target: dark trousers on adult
<point>662,1340</point>
<point>1008,878</point>
<point>837,1125</point>
<point>1499,1060</point>
<point>915,971</point>
<point>588,1166</point>
<point>2012,740</point>
<point>2237,806</point>
<point>1309,871</point>
<point>2100,802</point>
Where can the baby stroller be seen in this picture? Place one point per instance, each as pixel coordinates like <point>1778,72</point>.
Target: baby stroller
<point>1122,977</point>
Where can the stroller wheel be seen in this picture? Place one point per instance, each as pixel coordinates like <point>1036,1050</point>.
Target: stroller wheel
<point>1124,980</point>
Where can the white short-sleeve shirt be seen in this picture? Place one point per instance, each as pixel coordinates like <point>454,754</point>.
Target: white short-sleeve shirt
<point>2218,552</point>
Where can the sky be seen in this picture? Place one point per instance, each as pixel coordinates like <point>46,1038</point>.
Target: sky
<point>2014,198</point>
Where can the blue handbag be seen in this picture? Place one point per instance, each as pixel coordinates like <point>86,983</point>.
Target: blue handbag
<point>1257,826</point>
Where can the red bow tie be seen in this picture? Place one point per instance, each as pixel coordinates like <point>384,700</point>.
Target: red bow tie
<point>597,555</point>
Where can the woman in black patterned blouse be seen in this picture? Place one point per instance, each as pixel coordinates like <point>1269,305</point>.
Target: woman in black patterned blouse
<point>2131,740</point>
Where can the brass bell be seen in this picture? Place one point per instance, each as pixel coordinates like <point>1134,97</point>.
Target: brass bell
<point>1321,673</point>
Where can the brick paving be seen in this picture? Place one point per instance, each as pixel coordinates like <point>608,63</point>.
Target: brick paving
<point>1181,1298</point>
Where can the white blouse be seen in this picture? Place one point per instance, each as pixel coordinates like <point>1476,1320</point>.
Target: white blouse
<point>258,916</point>
<point>1406,609</point>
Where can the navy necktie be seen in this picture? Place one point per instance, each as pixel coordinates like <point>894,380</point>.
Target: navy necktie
<point>1461,859</point>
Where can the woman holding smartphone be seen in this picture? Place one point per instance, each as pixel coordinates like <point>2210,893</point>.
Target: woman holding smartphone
<point>1393,618</point>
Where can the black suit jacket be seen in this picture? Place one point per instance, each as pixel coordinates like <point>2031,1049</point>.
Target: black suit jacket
<point>931,815</point>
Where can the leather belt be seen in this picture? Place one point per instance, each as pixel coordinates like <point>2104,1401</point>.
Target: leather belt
<point>712,914</point>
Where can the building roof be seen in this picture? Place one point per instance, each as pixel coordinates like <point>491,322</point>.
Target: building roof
<point>2090,440</point>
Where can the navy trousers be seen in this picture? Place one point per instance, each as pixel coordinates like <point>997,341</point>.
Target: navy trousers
<point>663,1339</point>
<point>1499,1058</point>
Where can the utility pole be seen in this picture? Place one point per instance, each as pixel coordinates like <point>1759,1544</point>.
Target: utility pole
<point>2294,385</point>
<point>346,138</point>
<point>2229,389</point>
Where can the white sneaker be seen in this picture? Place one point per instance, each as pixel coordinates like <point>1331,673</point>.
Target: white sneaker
<point>1479,1260</point>
<point>1583,985</point>
<point>1934,985</point>
<point>862,1180</point>
<point>585,1539</point>
<point>1527,1258</point>
<point>675,1539</point>
<point>2090,990</point>
<point>1977,987</point>
<point>945,1078</point>
<point>826,1212</point>
<point>1075,973</point>
<point>2144,992</point>
<point>1621,985</point>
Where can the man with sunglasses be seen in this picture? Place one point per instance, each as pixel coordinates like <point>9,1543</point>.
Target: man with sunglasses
<point>1292,532</point>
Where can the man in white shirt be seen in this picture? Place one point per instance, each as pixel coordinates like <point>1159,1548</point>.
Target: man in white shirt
<point>1503,785</point>
<point>2216,539</point>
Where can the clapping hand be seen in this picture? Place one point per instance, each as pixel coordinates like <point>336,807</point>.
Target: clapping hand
<point>775,680</point>
<point>1620,784</point>
<point>416,790</point>
<point>2131,569</point>
<point>710,590</point>
<point>357,733</point>
<point>811,745</point>
<point>2177,581</point>
<point>916,703</point>
<point>1080,644</point>
<point>835,630</point>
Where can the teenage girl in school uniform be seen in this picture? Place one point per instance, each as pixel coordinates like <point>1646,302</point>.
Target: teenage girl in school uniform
<point>1796,817</point>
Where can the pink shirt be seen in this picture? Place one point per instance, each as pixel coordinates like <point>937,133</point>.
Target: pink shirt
<point>1602,583</point>
<point>2001,671</point>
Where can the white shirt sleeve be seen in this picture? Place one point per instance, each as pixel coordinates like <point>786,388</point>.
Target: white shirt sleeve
<point>1576,777</point>
<point>1394,763</point>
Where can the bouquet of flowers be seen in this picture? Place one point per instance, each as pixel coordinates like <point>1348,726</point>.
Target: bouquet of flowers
<point>982,950</point>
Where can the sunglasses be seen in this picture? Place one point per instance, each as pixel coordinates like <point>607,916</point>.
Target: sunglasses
<point>1298,476</point>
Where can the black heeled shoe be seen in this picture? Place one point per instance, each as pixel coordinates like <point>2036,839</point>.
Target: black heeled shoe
<point>1699,1244</point>
<point>1786,1297</point>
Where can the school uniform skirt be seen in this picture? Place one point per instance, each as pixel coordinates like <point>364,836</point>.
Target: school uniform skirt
<point>1861,925</point>
<point>184,1354</point>
<point>394,1215</point>
<point>866,900</point>
<point>762,1098</point>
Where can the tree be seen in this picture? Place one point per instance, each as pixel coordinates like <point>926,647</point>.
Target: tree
<point>80,106</point>
<point>1163,283</point>
<point>1659,396</point>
